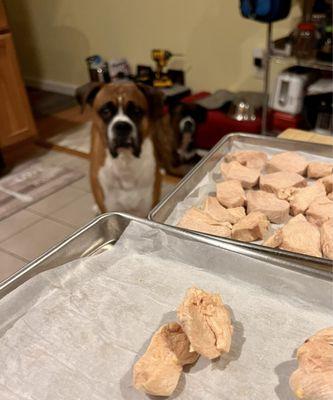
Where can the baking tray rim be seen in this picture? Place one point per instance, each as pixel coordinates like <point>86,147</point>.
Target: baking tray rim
<point>180,233</point>
<point>255,247</point>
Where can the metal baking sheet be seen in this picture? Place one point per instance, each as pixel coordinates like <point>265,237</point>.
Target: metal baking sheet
<point>200,181</point>
<point>75,331</point>
<point>103,232</point>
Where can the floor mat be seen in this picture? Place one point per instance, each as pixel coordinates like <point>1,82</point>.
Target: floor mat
<point>30,182</point>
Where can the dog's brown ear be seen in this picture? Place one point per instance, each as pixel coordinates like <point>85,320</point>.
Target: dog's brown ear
<point>155,100</point>
<point>86,94</point>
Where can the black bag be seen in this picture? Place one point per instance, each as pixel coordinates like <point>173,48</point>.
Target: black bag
<point>265,10</point>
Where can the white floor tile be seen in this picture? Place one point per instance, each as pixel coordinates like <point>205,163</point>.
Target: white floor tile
<point>9,265</point>
<point>34,240</point>
<point>56,200</point>
<point>82,184</point>
<point>16,222</point>
<point>77,213</point>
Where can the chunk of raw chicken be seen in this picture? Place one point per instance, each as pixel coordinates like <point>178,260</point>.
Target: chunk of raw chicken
<point>327,181</point>
<point>301,199</point>
<point>276,210</point>
<point>157,372</point>
<point>320,210</point>
<point>298,235</point>
<point>230,193</point>
<point>289,161</point>
<point>313,379</point>
<point>278,181</point>
<point>248,177</point>
<point>221,214</point>
<point>206,322</point>
<point>251,227</point>
<point>319,169</point>
<point>249,158</point>
<point>326,238</point>
<point>197,220</point>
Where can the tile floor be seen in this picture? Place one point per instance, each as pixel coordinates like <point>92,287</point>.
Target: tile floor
<point>22,235</point>
<point>28,233</point>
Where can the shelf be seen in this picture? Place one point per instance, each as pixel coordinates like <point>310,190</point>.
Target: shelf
<point>322,65</point>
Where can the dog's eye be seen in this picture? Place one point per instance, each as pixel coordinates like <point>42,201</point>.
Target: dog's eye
<point>106,112</point>
<point>134,111</point>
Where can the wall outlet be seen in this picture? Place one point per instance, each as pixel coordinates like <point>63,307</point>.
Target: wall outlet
<point>258,55</point>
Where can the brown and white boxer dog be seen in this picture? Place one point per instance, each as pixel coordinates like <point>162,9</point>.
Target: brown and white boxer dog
<point>124,171</point>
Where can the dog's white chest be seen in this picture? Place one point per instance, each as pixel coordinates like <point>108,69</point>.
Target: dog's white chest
<point>128,182</point>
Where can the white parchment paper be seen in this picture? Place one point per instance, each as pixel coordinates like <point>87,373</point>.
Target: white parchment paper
<point>207,186</point>
<point>75,332</point>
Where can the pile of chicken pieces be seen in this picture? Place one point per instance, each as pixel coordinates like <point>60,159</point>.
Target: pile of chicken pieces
<point>257,192</point>
<point>204,328</point>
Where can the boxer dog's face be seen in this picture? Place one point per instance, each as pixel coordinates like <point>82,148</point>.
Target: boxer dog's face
<point>184,119</point>
<point>123,112</point>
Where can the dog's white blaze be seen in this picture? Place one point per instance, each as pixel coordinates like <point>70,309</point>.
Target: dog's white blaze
<point>128,182</point>
<point>121,117</point>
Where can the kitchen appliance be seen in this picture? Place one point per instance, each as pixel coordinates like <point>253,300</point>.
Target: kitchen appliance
<point>318,113</point>
<point>290,88</point>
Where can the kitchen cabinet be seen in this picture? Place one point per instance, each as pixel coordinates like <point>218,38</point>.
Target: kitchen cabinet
<point>16,121</point>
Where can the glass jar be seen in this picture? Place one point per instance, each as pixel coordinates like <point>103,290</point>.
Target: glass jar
<point>305,41</point>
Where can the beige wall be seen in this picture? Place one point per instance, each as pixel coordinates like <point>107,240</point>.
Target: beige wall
<point>53,37</point>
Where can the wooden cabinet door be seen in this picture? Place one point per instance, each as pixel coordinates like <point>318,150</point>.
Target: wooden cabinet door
<point>3,18</point>
<point>16,122</point>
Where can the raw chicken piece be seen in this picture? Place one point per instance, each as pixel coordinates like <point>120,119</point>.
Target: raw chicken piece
<point>206,322</point>
<point>214,209</point>
<point>250,228</point>
<point>230,194</point>
<point>249,158</point>
<point>197,220</point>
<point>285,194</point>
<point>326,238</point>
<point>276,210</point>
<point>157,372</point>
<point>301,199</point>
<point>297,235</point>
<point>320,210</point>
<point>248,177</point>
<point>313,379</point>
<point>289,161</point>
<point>319,169</point>
<point>281,180</point>
<point>327,181</point>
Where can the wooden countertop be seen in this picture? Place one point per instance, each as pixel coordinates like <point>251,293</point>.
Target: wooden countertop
<point>297,134</point>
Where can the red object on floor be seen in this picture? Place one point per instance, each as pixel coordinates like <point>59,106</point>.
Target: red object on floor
<point>218,124</point>
<point>279,121</point>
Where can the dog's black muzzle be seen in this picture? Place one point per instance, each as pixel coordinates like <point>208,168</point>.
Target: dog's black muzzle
<point>123,137</point>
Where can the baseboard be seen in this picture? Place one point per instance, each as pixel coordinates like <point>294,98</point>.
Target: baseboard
<point>52,86</point>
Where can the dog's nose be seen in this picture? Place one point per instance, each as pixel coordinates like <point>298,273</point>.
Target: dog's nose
<point>122,127</point>
<point>187,124</point>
